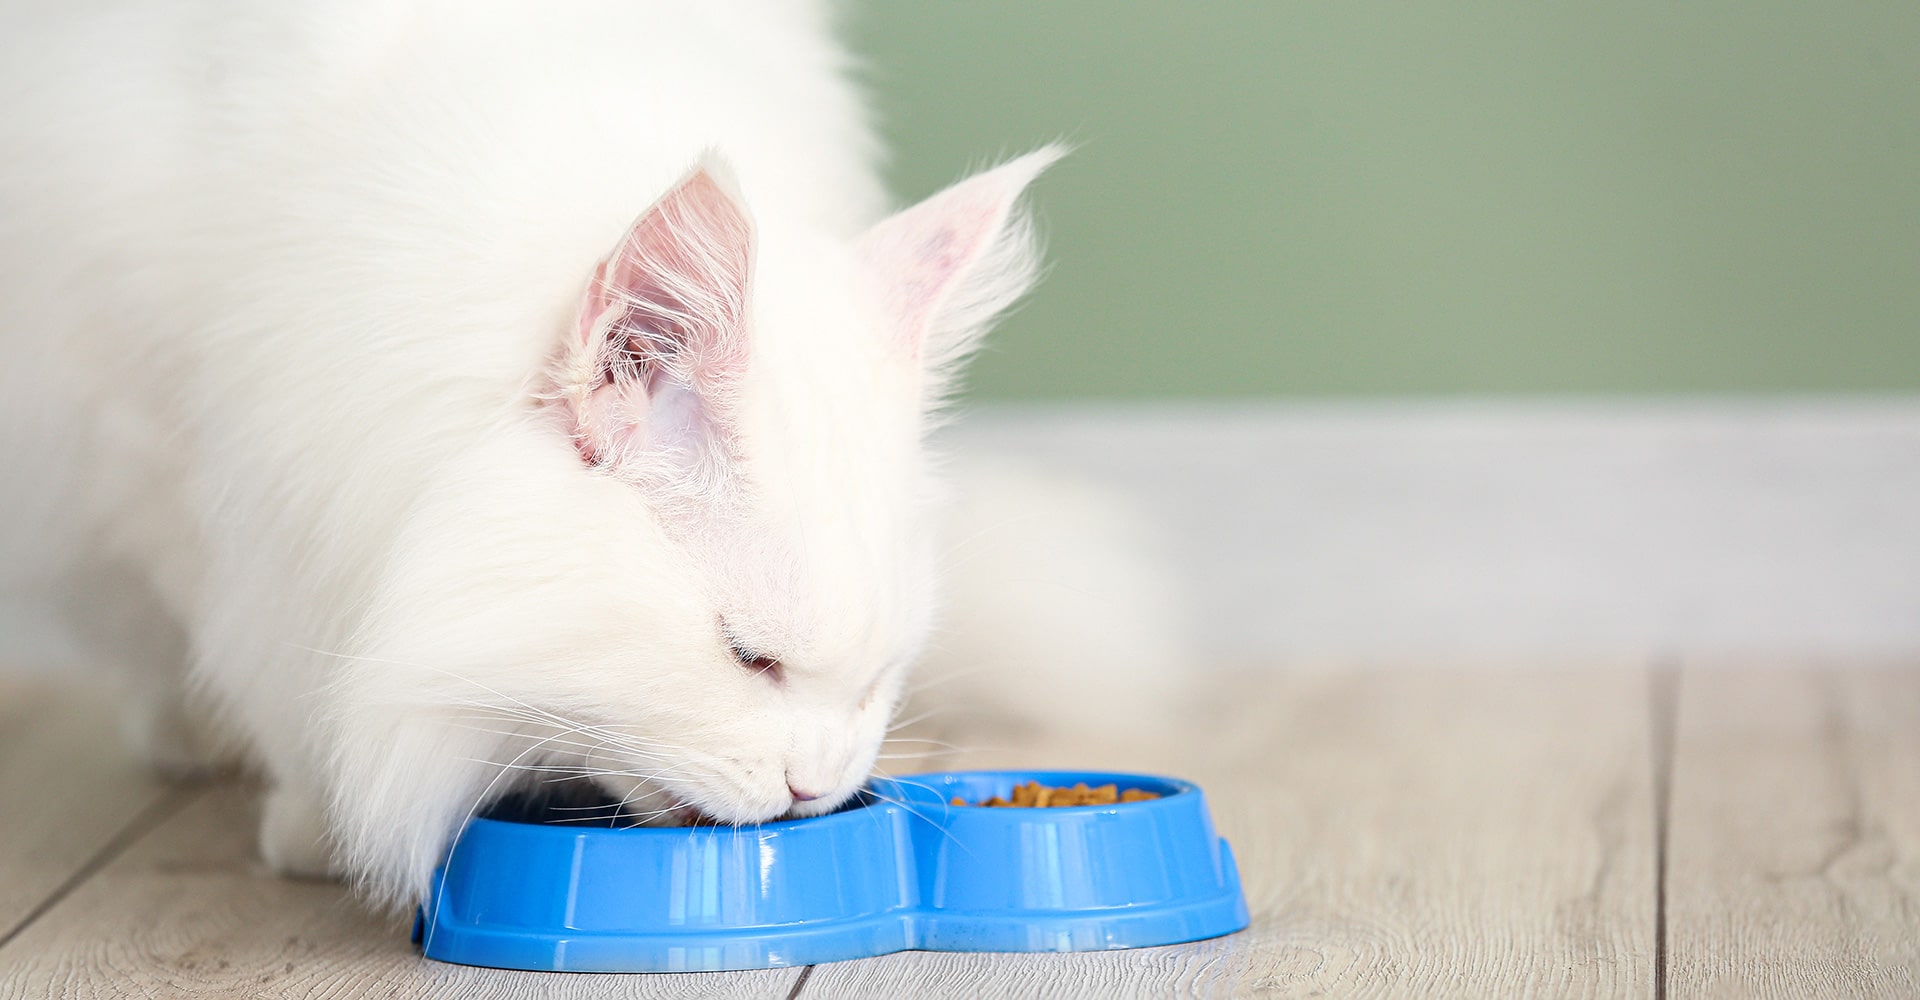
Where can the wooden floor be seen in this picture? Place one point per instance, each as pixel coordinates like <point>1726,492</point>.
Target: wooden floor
<point>1637,830</point>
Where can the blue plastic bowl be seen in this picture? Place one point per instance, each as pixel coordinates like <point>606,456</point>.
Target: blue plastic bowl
<point>897,869</point>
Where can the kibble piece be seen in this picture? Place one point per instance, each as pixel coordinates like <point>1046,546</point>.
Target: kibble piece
<point>1034,795</point>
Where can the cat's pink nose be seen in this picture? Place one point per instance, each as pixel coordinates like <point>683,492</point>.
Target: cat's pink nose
<point>800,796</point>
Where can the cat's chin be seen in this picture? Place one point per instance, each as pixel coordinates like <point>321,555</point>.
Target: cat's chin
<point>651,806</point>
<point>629,802</point>
<point>679,815</point>
<point>819,807</point>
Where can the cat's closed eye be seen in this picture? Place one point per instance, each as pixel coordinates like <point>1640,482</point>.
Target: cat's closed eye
<point>761,664</point>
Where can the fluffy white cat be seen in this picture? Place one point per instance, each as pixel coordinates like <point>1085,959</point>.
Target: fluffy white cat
<point>461,394</point>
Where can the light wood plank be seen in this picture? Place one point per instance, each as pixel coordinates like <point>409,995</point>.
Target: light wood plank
<point>68,788</point>
<point>1450,833</point>
<point>188,911</point>
<point>1794,865</point>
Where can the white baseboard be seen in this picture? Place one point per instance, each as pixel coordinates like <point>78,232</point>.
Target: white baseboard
<point>1780,528</point>
<point>1557,531</point>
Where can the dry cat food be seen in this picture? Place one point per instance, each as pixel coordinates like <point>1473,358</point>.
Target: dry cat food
<point>1034,795</point>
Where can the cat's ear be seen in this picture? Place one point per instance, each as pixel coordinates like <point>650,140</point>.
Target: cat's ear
<point>946,267</point>
<point>660,342</point>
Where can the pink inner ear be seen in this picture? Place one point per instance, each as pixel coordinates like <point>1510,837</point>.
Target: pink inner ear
<point>946,267</point>
<point>920,254</point>
<point>663,323</point>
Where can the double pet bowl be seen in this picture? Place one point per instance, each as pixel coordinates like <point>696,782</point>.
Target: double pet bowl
<point>899,868</point>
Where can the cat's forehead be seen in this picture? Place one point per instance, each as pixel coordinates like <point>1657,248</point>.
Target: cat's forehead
<point>825,556</point>
<point>830,415</point>
<point>824,561</point>
<point>818,553</point>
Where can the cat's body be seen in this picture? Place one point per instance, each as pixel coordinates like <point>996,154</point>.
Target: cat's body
<point>311,393</point>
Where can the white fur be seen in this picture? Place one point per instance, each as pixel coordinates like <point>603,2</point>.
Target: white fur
<point>282,289</point>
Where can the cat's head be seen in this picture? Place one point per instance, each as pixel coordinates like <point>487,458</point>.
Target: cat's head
<point>768,409</point>
<point>706,581</point>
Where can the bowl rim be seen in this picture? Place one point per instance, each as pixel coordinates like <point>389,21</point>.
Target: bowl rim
<point>1177,789</point>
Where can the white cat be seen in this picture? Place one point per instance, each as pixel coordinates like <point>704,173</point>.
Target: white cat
<point>469,393</point>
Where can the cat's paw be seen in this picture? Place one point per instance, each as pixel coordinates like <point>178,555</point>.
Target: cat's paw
<point>293,837</point>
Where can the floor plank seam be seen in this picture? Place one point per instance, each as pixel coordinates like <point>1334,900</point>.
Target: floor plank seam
<point>155,813</point>
<point>800,983</point>
<point>1663,709</point>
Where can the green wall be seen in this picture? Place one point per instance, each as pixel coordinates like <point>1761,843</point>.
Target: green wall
<point>1377,198</point>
